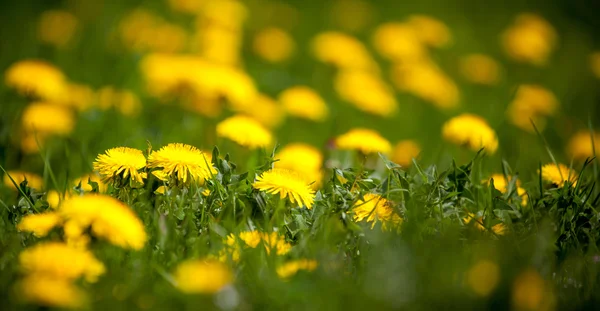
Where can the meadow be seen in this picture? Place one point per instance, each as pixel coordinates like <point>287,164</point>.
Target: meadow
<point>299,155</point>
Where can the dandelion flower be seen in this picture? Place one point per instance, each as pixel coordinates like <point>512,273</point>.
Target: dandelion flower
<point>530,292</point>
<point>202,276</point>
<point>399,42</point>
<point>532,102</point>
<point>33,180</point>
<point>431,31</point>
<point>60,260</point>
<point>263,109</point>
<point>304,102</point>
<point>45,118</point>
<point>471,131</point>
<point>595,64</point>
<point>501,184</point>
<point>273,45</point>
<point>342,51</point>
<point>559,175</point>
<point>85,180</point>
<point>245,131</point>
<point>272,241</point>
<point>288,184</point>
<point>376,208</point>
<point>182,162</point>
<point>364,140</point>
<point>498,229</point>
<point>405,151</point>
<point>290,268</point>
<point>57,27</point>
<point>121,162</point>
<point>427,81</point>
<point>530,39</point>
<point>36,78</point>
<point>304,159</point>
<point>480,69</point>
<point>584,145</point>
<point>54,198</point>
<point>367,92</point>
<point>39,224</point>
<point>483,277</point>
<point>50,292</point>
<point>108,218</point>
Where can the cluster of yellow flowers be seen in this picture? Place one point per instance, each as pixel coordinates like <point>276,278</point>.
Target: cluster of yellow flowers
<point>501,183</point>
<point>273,241</point>
<point>531,103</point>
<point>142,31</point>
<point>472,132</point>
<point>373,208</point>
<point>530,39</point>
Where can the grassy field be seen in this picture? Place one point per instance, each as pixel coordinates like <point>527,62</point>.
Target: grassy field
<point>301,155</point>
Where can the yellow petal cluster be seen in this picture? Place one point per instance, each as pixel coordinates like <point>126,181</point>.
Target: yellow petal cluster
<point>304,159</point>
<point>273,44</point>
<point>584,145</point>
<point>202,276</point>
<point>40,224</point>
<point>373,208</point>
<point>530,39</point>
<point>303,102</point>
<point>33,180</point>
<point>92,177</point>
<point>43,119</point>
<point>288,184</point>
<point>405,151</point>
<point>531,102</point>
<point>290,268</point>
<point>263,109</point>
<point>480,69</point>
<point>471,131</point>
<point>366,91</point>
<point>427,81</point>
<point>57,27</point>
<point>483,277</point>
<point>342,51</point>
<point>364,140</point>
<point>143,31</point>
<point>430,30</point>
<point>272,241</point>
<point>531,292</point>
<point>122,162</point>
<point>245,131</point>
<point>399,42</point>
<point>559,174</point>
<point>50,292</point>
<point>501,184</point>
<point>36,78</point>
<point>182,162</point>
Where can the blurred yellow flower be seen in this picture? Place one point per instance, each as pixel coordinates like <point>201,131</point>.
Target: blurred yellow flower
<point>264,109</point>
<point>202,276</point>
<point>46,118</point>
<point>498,229</point>
<point>376,208</point>
<point>121,162</point>
<point>595,64</point>
<point>245,131</point>
<point>186,6</point>
<point>480,69</point>
<point>399,42</point>
<point>584,145</point>
<point>431,31</point>
<point>142,31</point>
<point>225,13</point>
<point>304,102</point>
<point>182,161</point>
<point>59,260</point>
<point>530,39</point>
<point>427,81</point>
<point>364,140</point>
<point>559,175</point>
<point>79,96</point>
<point>251,238</point>
<point>93,177</point>
<point>124,101</point>
<point>290,268</point>
<point>532,102</point>
<point>405,151</point>
<point>483,277</point>
<point>342,51</point>
<point>288,184</point>
<point>36,78</point>
<point>219,44</point>
<point>530,292</point>
<point>107,217</point>
<point>39,224</point>
<point>32,142</point>
<point>50,292</point>
<point>304,159</point>
<point>501,184</point>
<point>272,241</point>
<point>273,45</point>
<point>367,92</point>
<point>57,27</point>
<point>471,131</point>
<point>33,180</point>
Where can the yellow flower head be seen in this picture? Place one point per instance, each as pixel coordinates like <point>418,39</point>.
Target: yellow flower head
<point>93,177</point>
<point>108,218</point>
<point>532,102</point>
<point>290,268</point>
<point>60,260</point>
<point>182,162</point>
<point>399,42</point>
<point>364,140</point>
<point>531,292</point>
<point>304,159</point>
<point>54,198</point>
<point>288,184</point>
<point>245,131</point>
<point>272,241</point>
<point>559,175</point>
<point>530,39</point>
<point>39,224</point>
<point>431,31</point>
<point>501,184</point>
<point>304,102</point>
<point>595,64</point>
<point>57,27</point>
<point>263,109</point>
<point>124,101</point>
<point>367,92</point>
<point>45,118</point>
<point>376,208</point>
<point>480,69</point>
<point>471,131</point>
<point>123,162</point>
<point>405,151</point>
<point>342,51</point>
<point>33,180</point>
<point>273,45</point>
<point>498,229</point>
<point>584,145</point>
<point>428,82</point>
<point>202,276</point>
<point>50,291</point>
<point>36,78</point>
<point>483,277</point>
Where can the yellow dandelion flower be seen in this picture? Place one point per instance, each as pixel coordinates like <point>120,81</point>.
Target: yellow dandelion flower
<point>367,92</point>
<point>33,180</point>
<point>36,78</point>
<point>531,102</point>
<point>530,39</point>
<point>498,229</point>
<point>288,184</point>
<point>46,118</point>
<point>480,69</point>
<point>251,238</point>
<point>108,218</point>
<point>530,292</point>
<point>271,241</point>
<point>595,64</point>
<point>559,175</point>
<point>342,51</point>
<point>429,30</point>
<point>427,81</point>
<point>121,162</point>
<point>304,159</point>
<point>202,276</point>
<point>366,141</point>
<point>483,277</point>
<point>182,162</point>
<point>501,184</point>
<point>79,96</point>
<point>60,260</point>
<point>405,151</point>
<point>304,102</point>
<point>471,131</point>
<point>245,131</point>
<point>54,198</point>
<point>92,177</point>
<point>273,45</point>
<point>32,142</point>
<point>352,15</point>
<point>584,145</point>
<point>376,208</point>
<point>50,292</point>
<point>39,224</point>
<point>57,27</point>
<point>290,268</point>
<point>263,109</point>
<point>399,42</point>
